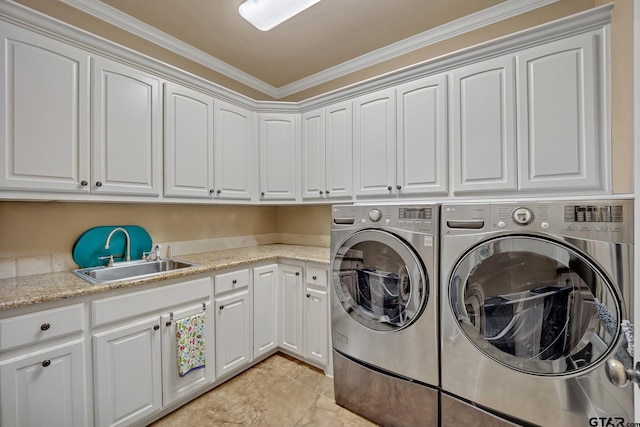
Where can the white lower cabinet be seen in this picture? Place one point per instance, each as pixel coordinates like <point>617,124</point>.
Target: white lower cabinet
<point>304,324</point>
<point>290,320</point>
<point>45,388</point>
<point>249,313</point>
<point>265,309</point>
<point>128,373</point>
<point>135,367</point>
<point>233,321</point>
<point>43,369</point>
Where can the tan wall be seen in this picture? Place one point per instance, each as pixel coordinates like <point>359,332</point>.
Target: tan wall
<point>621,94</point>
<point>35,228</point>
<point>310,219</point>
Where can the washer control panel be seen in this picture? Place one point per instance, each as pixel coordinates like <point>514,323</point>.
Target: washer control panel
<point>418,217</point>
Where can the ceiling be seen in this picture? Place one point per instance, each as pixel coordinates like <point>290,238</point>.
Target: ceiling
<point>326,35</point>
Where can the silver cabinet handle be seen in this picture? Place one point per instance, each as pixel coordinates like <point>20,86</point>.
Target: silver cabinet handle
<point>99,184</point>
<point>619,375</point>
<point>84,183</point>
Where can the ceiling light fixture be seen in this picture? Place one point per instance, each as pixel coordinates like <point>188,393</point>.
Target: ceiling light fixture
<point>266,14</point>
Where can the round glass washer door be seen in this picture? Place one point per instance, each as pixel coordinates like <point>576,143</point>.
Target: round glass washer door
<point>535,305</point>
<point>379,280</point>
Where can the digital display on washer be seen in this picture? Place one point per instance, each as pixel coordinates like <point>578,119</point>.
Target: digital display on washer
<point>592,213</point>
<point>414,213</point>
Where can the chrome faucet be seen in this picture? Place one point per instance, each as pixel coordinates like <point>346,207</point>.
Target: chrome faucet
<point>128,241</point>
<point>156,251</point>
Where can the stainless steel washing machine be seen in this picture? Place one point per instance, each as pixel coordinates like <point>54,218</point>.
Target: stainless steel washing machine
<point>536,298</point>
<point>384,312</point>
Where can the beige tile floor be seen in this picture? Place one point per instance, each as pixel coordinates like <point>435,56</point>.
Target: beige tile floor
<point>280,392</point>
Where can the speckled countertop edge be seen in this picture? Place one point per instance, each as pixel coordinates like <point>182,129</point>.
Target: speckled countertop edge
<point>21,291</point>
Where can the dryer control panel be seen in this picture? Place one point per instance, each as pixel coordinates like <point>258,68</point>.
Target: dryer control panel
<point>610,219</point>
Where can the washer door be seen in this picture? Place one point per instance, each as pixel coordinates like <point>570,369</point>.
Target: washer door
<point>535,305</point>
<point>379,280</point>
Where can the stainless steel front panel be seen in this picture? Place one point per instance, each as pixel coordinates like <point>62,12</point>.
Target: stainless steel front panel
<point>533,299</point>
<point>391,254</point>
<point>383,399</point>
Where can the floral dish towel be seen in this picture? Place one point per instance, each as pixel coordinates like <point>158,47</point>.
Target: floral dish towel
<point>190,343</point>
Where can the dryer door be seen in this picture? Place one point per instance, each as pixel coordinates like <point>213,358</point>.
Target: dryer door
<point>379,280</point>
<point>535,305</point>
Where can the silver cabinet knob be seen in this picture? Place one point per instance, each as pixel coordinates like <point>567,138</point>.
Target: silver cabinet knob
<point>84,183</point>
<point>211,191</point>
<point>99,184</point>
<point>619,375</point>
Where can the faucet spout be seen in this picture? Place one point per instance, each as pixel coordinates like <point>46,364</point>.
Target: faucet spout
<point>128,241</point>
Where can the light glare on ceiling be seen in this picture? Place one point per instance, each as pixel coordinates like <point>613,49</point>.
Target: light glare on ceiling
<point>266,14</point>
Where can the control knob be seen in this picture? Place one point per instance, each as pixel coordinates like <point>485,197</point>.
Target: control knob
<point>522,216</point>
<point>375,215</point>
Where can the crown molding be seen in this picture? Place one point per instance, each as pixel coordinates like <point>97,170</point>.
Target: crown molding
<point>499,12</point>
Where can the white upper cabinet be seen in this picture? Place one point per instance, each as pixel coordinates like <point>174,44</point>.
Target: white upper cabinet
<point>127,130</point>
<point>188,142</point>
<point>44,110</point>
<point>483,126</point>
<point>278,156</point>
<point>558,121</point>
<point>375,148</point>
<point>327,159</point>
<point>235,159</point>
<point>422,137</point>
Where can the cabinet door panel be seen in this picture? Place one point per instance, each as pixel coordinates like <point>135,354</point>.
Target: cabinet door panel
<point>291,308</point>
<point>265,309</point>
<point>422,136</point>
<point>375,144</point>
<point>127,130</point>
<point>558,130</point>
<point>45,389</point>
<point>44,107</point>
<point>483,124</point>
<point>233,332</point>
<point>188,142</point>
<point>313,154</point>
<point>339,150</point>
<point>127,373</point>
<point>316,321</point>
<point>234,156</point>
<point>278,157</point>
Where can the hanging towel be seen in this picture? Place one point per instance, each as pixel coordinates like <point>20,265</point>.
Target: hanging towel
<point>190,343</point>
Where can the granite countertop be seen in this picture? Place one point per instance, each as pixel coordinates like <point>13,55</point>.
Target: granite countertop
<point>27,290</point>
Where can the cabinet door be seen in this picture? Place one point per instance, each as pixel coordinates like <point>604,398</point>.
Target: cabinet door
<point>482,126</point>
<point>316,326</point>
<point>422,137</point>
<point>173,385</point>
<point>127,373</point>
<point>278,157</point>
<point>291,308</point>
<point>188,143</point>
<point>44,110</point>
<point>46,388</point>
<point>127,130</point>
<point>558,122</point>
<point>265,309</point>
<point>313,154</point>
<point>375,148</point>
<point>234,155</point>
<point>339,151</point>
<point>233,332</point>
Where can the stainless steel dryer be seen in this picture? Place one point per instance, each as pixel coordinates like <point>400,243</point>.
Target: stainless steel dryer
<point>535,302</point>
<point>384,312</point>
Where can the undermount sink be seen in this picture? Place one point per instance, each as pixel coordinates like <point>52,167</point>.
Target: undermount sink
<point>131,270</point>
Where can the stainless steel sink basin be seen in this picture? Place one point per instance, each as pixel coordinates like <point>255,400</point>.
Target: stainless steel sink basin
<point>131,270</point>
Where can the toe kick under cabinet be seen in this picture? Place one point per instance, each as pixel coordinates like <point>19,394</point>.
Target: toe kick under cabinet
<point>134,350</point>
